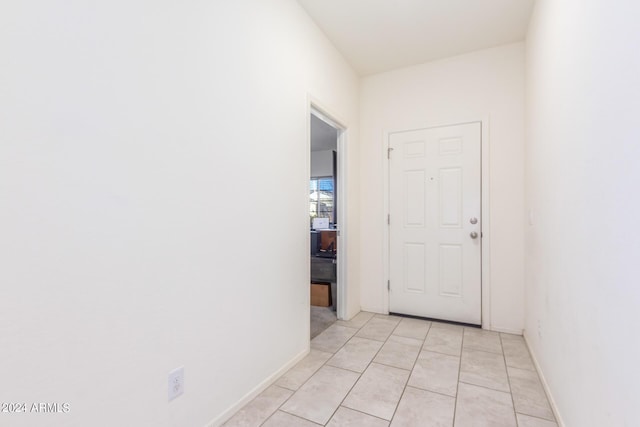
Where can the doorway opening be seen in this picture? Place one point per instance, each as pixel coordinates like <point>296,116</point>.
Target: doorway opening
<point>326,220</point>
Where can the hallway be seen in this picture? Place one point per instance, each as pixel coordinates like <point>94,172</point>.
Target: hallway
<point>378,370</point>
<point>147,149</point>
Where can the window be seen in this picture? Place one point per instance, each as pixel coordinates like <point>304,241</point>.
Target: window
<point>321,195</point>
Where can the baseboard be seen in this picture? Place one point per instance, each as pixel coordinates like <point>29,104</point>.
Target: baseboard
<point>545,385</point>
<point>373,310</point>
<point>491,328</point>
<point>223,417</point>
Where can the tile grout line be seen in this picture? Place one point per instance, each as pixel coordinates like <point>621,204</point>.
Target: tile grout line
<point>316,371</point>
<point>360,375</point>
<point>268,416</point>
<point>325,363</point>
<point>359,411</point>
<point>476,385</point>
<point>369,364</point>
<point>484,351</point>
<point>485,387</point>
<point>406,384</point>
<point>312,374</point>
<point>432,391</point>
<point>440,352</point>
<point>389,366</point>
<point>455,403</point>
<point>288,413</point>
<point>533,368</point>
<point>536,417</point>
<point>509,381</point>
<point>357,330</point>
<point>544,392</point>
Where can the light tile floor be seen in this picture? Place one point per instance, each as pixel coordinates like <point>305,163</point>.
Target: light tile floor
<point>321,319</point>
<point>379,371</point>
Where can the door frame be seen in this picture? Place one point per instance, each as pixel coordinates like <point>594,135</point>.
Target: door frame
<point>485,276</point>
<point>314,107</point>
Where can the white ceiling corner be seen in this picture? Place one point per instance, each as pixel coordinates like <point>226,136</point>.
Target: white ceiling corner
<point>381,35</point>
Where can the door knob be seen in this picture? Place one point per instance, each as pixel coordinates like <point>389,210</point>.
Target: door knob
<point>473,220</point>
<point>473,235</point>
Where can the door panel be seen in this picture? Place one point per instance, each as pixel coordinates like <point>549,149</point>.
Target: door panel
<point>450,198</point>
<point>414,198</point>
<point>434,192</point>
<point>414,268</point>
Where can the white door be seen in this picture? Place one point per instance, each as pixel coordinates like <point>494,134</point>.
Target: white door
<point>435,224</point>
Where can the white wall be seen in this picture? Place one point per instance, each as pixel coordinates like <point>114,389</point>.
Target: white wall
<point>142,145</point>
<point>487,83</point>
<point>583,247</point>
<point>322,163</point>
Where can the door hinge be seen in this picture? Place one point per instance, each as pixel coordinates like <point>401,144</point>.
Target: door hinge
<point>388,285</point>
<point>389,150</point>
<point>389,219</point>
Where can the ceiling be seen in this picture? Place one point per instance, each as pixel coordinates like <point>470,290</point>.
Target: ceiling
<point>381,35</point>
<point>323,135</point>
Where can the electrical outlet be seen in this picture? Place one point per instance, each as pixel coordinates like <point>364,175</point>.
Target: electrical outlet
<point>176,383</point>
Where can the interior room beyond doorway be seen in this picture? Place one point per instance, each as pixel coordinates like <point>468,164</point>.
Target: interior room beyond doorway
<point>323,224</point>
